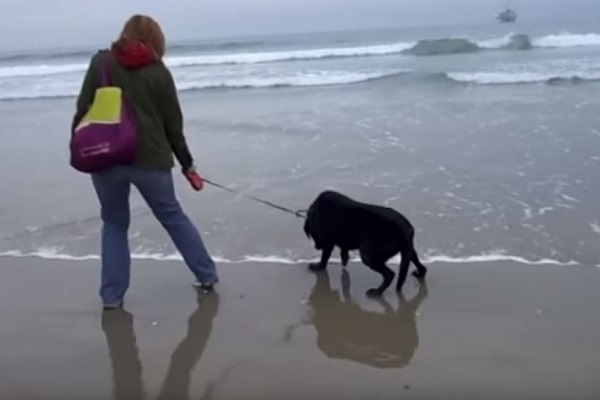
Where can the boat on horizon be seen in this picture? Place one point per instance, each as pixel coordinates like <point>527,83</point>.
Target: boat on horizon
<point>506,16</point>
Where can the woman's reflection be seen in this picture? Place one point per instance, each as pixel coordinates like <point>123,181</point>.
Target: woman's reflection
<point>124,355</point>
<point>190,350</point>
<point>127,369</point>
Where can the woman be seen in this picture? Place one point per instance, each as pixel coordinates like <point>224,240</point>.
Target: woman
<point>135,64</point>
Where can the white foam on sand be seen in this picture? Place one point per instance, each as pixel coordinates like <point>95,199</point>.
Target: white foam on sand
<point>50,253</point>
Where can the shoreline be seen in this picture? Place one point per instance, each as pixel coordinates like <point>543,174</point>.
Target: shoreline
<point>483,258</point>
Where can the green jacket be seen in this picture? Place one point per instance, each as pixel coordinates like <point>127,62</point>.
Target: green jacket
<point>151,93</point>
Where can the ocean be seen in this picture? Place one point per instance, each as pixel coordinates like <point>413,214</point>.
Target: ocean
<point>485,138</point>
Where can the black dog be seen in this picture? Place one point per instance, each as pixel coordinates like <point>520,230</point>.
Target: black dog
<point>379,233</point>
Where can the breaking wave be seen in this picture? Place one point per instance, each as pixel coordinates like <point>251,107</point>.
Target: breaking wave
<point>218,59</point>
<point>234,65</point>
<point>568,40</point>
<point>503,78</point>
<point>294,55</point>
<point>436,46</point>
<point>508,42</point>
<point>320,78</point>
<point>442,46</point>
<point>51,89</point>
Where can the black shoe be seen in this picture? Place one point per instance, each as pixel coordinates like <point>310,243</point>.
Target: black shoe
<point>117,305</point>
<point>204,288</point>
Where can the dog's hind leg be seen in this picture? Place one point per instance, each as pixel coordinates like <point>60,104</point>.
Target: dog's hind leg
<point>344,256</point>
<point>404,264</point>
<point>370,257</point>
<point>421,269</point>
<point>325,255</point>
<point>388,277</point>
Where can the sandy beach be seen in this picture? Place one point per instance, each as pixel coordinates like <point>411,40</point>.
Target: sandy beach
<point>495,330</point>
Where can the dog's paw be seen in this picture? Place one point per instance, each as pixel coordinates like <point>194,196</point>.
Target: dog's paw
<point>345,258</point>
<point>316,266</point>
<point>419,274</point>
<point>374,292</point>
<point>399,287</point>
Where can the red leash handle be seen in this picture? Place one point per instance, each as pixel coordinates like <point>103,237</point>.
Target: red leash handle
<point>195,180</point>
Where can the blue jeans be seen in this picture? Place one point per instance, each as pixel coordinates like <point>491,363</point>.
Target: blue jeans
<point>157,189</point>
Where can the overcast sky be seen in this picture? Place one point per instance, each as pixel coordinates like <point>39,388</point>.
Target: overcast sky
<point>64,23</point>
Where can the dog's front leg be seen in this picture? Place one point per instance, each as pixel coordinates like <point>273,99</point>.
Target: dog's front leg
<point>325,255</point>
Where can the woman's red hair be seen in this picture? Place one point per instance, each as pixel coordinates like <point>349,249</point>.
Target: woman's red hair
<point>144,29</point>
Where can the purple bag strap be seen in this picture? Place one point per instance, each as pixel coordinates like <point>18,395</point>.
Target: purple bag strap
<point>104,71</point>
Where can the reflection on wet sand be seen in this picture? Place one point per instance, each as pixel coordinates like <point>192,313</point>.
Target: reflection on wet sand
<point>345,331</point>
<point>126,366</point>
<point>124,355</point>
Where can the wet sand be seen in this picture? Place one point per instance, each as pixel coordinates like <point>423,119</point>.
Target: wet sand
<point>495,330</point>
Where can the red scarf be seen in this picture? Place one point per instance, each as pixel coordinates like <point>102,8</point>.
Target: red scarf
<point>132,53</point>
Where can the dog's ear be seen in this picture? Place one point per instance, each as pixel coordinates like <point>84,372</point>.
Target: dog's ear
<point>307,230</point>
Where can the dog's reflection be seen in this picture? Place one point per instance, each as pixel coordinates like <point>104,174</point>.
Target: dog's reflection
<point>126,366</point>
<point>345,331</point>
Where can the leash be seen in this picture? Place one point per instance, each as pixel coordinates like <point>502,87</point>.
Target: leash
<point>298,213</point>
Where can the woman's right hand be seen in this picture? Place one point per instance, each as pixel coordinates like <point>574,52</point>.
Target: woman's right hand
<point>194,178</point>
